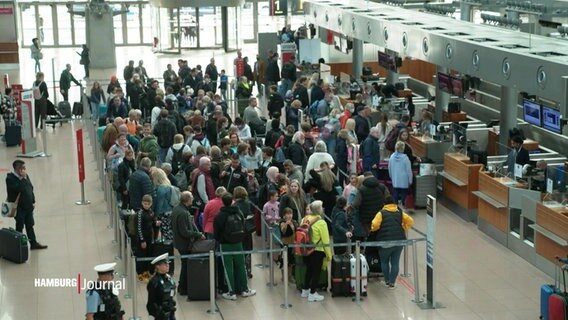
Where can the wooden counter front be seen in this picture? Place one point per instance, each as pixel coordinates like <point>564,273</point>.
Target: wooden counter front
<point>460,168</point>
<point>554,220</point>
<point>418,144</point>
<point>454,116</point>
<point>493,202</point>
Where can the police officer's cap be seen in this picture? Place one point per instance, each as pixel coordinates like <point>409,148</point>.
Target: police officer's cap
<point>105,267</point>
<point>161,259</point>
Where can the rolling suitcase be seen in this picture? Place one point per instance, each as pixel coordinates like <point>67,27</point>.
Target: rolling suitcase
<point>558,301</point>
<point>65,109</point>
<point>78,109</point>
<point>13,134</point>
<point>13,245</point>
<point>198,279</point>
<point>341,275</point>
<point>364,273</point>
<point>164,246</point>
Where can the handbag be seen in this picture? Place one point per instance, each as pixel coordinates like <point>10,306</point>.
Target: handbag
<point>202,246</point>
<point>9,209</point>
<point>250,224</point>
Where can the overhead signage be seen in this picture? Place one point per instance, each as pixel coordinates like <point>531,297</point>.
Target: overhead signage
<point>278,7</point>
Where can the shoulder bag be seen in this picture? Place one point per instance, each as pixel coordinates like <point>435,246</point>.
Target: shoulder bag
<point>9,209</point>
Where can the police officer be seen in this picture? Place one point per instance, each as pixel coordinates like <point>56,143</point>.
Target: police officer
<point>102,301</point>
<point>161,291</point>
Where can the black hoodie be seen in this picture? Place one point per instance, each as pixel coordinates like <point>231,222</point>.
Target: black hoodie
<point>370,199</point>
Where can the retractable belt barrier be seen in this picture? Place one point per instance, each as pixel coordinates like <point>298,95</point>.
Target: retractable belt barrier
<point>126,255</point>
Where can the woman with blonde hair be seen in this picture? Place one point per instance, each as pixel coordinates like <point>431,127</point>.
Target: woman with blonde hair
<point>163,191</point>
<point>350,127</point>
<point>325,183</point>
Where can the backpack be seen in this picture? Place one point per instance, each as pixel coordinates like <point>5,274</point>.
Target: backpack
<point>176,159</point>
<point>181,178</point>
<point>131,224</point>
<point>313,110</point>
<point>175,196</point>
<point>281,154</point>
<point>303,236</point>
<point>235,228</point>
<point>36,91</point>
<point>391,139</point>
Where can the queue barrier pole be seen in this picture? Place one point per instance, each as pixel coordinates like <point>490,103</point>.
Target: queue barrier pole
<point>417,298</point>
<point>271,283</point>
<point>405,273</point>
<point>357,272</point>
<point>212,307</point>
<point>128,262</point>
<point>110,205</point>
<point>115,217</point>
<point>133,285</point>
<point>285,258</point>
<point>119,228</point>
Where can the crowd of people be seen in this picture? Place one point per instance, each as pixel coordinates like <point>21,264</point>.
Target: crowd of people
<point>189,171</point>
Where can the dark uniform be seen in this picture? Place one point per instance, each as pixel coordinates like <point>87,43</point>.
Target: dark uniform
<point>161,292</point>
<point>108,307</point>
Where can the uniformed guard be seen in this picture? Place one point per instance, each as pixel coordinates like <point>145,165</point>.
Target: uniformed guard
<point>161,291</point>
<point>102,302</point>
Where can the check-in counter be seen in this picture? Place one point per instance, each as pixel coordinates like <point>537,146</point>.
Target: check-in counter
<point>551,234</point>
<point>493,142</point>
<point>461,178</point>
<point>426,147</point>
<point>454,116</point>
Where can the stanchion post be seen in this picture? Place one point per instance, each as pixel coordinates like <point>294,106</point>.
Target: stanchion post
<point>110,208</point>
<point>271,257</point>
<point>262,264</point>
<point>134,293</point>
<point>405,273</point>
<point>417,298</point>
<point>120,241</point>
<point>357,271</point>
<point>212,307</point>
<point>115,218</point>
<point>127,254</point>
<point>285,257</point>
<point>44,138</point>
<point>80,164</point>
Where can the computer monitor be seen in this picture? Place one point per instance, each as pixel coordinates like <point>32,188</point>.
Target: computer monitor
<point>551,119</point>
<point>457,86</point>
<point>531,112</point>
<point>444,82</point>
<point>387,61</point>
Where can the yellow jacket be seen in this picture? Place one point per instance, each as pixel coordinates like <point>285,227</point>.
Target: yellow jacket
<point>320,235</point>
<point>407,221</point>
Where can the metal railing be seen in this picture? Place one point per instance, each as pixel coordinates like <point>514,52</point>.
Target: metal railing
<point>127,259</point>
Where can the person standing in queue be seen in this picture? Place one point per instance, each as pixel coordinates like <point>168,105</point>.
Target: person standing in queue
<point>185,233</point>
<point>161,291</point>
<point>103,302</point>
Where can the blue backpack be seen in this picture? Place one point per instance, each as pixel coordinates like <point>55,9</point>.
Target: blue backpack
<point>313,110</point>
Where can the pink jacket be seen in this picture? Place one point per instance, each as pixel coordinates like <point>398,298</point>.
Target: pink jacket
<point>211,211</point>
<point>271,212</point>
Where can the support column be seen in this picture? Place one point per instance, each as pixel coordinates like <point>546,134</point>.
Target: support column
<point>512,14</point>
<point>465,11</point>
<point>508,113</point>
<point>442,98</point>
<point>357,64</point>
<point>392,77</point>
<point>99,21</point>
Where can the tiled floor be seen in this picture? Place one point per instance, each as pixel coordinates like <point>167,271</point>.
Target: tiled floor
<point>476,277</point>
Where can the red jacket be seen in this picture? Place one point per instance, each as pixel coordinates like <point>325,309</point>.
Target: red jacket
<point>343,119</point>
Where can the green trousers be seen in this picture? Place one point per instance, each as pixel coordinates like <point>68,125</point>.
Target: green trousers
<point>235,269</point>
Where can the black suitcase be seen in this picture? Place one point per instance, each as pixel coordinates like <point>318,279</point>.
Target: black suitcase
<point>65,109</point>
<point>340,275</point>
<point>13,245</point>
<point>13,135</point>
<point>164,246</point>
<point>373,260</point>
<point>77,109</point>
<point>198,279</point>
